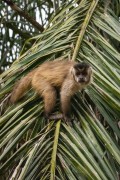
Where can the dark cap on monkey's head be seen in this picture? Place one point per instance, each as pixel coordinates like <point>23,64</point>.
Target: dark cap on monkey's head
<point>81,65</point>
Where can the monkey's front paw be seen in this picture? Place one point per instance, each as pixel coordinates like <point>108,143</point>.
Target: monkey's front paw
<point>56,116</point>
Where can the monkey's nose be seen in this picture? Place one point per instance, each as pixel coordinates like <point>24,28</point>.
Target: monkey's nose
<point>81,79</point>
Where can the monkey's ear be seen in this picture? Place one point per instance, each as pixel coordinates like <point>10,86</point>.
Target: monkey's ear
<point>91,74</point>
<point>90,70</point>
<point>72,70</point>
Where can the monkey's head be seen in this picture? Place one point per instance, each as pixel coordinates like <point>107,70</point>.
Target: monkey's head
<point>82,73</point>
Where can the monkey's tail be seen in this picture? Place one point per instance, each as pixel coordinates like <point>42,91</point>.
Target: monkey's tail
<point>21,87</point>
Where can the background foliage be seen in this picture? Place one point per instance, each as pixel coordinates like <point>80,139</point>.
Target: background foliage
<point>32,148</point>
<point>15,29</point>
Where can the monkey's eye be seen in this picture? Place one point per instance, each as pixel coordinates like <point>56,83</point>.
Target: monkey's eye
<point>78,73</point>
<point>84,73</point>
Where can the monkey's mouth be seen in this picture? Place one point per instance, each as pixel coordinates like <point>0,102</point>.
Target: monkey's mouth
<point>82,80</point>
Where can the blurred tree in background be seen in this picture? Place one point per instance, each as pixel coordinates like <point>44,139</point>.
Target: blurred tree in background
<point>15,29</point>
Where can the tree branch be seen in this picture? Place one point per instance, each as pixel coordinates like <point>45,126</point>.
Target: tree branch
<point>24,14</point>
<point>9,25</point>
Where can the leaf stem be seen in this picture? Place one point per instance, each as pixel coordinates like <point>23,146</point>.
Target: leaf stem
<point>53,159</point>
<point>83,29</point>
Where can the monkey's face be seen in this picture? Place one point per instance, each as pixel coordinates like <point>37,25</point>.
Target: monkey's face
<point>82,73</point>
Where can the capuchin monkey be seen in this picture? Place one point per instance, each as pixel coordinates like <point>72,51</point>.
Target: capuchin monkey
<point>67,76</point>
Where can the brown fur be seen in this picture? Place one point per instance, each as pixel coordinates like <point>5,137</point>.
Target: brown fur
<point>44,80</point>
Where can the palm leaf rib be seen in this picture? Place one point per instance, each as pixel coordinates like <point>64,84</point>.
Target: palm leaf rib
<point>83,28</point>
<point>54,153</point>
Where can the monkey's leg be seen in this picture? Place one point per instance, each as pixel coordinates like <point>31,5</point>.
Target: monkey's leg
<point>49,96</point>
<point>48,93</point>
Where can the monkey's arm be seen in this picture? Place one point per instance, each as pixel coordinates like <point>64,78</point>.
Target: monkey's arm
<point>65,102</point>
